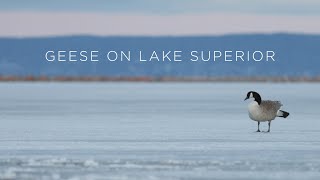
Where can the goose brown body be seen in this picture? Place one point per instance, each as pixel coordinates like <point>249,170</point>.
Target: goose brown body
<point>266,111</point>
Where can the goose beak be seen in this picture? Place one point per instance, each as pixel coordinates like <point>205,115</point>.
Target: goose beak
<point>246,98</point>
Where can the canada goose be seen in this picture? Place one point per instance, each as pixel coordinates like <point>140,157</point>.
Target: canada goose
<point>264,110</point>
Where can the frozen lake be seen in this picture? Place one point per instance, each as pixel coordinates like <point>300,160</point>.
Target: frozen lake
<point>156,131</point>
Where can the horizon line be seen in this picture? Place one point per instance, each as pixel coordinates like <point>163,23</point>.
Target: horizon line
<point>161,36</point>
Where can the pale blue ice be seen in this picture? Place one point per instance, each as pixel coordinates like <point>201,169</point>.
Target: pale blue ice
<point>156,131</point>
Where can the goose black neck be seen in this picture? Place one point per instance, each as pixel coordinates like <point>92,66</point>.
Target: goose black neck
<point>257,98</point>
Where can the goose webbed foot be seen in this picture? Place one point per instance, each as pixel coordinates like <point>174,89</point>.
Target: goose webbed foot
<point>269,124</point>
<point>258,127</point>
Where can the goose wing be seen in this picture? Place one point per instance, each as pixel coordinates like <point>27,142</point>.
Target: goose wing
<point>270,106</point>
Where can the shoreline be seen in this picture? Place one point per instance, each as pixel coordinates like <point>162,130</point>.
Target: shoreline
<point>153,79</point>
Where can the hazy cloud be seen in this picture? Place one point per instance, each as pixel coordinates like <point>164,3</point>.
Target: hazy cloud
<point>26,24</point>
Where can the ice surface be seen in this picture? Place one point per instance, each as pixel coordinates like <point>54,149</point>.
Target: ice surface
<point>155,131</point>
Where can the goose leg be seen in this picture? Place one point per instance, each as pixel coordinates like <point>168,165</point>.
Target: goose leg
<point>258,127</point>
<point>269,123</point>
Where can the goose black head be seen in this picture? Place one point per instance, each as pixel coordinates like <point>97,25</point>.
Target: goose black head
<point>255,95</point>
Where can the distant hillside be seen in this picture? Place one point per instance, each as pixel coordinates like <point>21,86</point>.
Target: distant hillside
<point>296,55</point>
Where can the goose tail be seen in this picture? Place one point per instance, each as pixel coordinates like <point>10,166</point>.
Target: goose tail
<point>283,114</point>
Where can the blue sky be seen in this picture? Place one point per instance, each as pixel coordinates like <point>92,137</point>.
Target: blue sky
<point>157,17</point>
<point>165,7</point>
